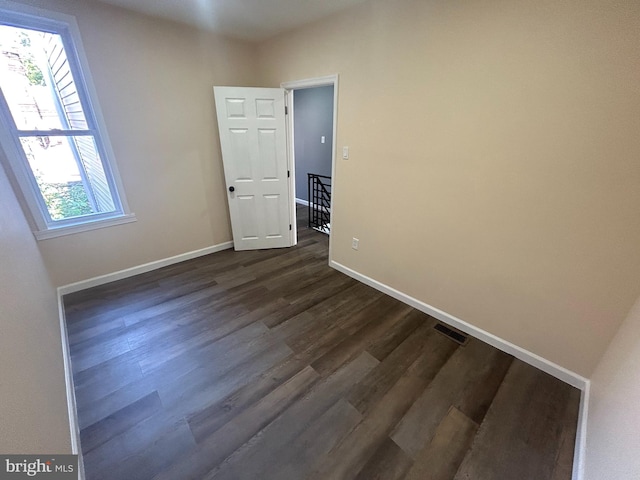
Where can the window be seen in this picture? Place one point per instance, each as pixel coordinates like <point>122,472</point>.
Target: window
<point>53,138</point>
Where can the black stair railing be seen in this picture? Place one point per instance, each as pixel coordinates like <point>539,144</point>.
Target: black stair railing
<point>319,202</point>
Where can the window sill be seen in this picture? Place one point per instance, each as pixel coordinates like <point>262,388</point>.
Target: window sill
<point>84,227</point>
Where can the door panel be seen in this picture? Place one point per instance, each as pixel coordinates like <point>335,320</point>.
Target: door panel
<point>251,123</point>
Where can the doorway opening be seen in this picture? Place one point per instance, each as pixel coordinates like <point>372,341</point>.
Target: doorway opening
<point>312,146</point>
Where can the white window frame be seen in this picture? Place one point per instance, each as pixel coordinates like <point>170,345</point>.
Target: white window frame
<point>19,15</point>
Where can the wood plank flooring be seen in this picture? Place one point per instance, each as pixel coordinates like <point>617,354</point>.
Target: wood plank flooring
<point>270,365</point>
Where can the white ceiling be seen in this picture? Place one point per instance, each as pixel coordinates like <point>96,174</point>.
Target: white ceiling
<point>244,19</point>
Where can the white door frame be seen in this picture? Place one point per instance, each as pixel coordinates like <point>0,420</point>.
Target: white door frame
<point>289,88</point>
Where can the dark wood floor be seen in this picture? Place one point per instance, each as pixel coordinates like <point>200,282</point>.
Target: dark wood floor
<point>270,365</point>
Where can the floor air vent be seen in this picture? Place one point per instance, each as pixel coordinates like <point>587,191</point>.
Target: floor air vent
<point>452,334</point>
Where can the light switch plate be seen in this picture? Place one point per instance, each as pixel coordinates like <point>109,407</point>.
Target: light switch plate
<point>345,153</point>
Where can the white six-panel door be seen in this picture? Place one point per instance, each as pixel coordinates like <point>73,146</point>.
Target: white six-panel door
<point>251,122</point>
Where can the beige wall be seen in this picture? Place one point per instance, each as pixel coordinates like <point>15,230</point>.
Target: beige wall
<point>154,81</point>
<point>33,408</point>
<point>494,159</point>
<point>614,410</point>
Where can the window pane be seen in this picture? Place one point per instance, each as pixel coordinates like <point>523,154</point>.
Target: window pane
<point>36,80</point>
<point>69,174</point>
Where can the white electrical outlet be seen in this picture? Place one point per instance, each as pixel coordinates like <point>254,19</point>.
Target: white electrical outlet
<point>322,139</point>
<point>355,243</point>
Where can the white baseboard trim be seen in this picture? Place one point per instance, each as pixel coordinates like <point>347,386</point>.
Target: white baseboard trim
<point>580,452</point>
<point>74,424</point>
<point>537,361</point>
<point>147,267</point>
